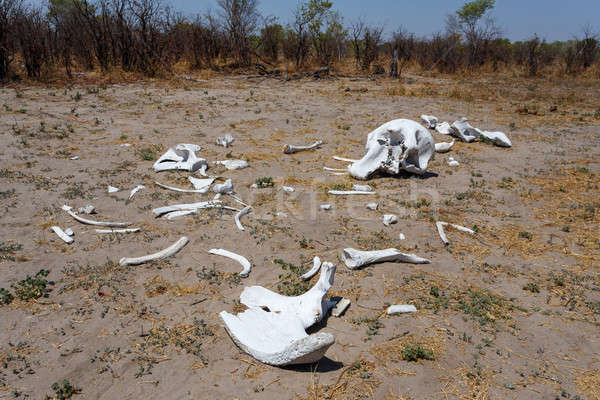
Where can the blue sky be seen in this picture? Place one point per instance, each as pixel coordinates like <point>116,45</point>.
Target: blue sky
<point>518,19</point>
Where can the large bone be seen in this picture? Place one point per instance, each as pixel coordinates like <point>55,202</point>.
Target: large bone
<point>169,251</point>
<point>355,258</point>
<point>429,120</point>
<point>224,188</point>
<point>498,138</point>
<point>135,190</point>
<point>201,185</point>
<point>315,268</point>
<point>233,164</point>
<point>175,189</point>
<point>464,131</point>
<point>239,215</point>
<point>181,157</point>
<point>275,338</point>
<point>398,145</point>
<point>440,228</point>
<point>443,147</point>
<point>444,128</point>
<point>90,222</point>
<point>191,206</point>
<point>61,234</point>
<point>289,149</point>
<point>241,259</point>
<point>401,309</point>
<point>309,307</point>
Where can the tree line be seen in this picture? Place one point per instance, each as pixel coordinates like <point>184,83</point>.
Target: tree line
<point>148,37</point>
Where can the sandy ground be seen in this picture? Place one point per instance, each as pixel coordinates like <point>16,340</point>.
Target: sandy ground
<point>512,312</point>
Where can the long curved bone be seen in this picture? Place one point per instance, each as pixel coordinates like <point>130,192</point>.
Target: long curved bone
<point>398,145</point>
<point>61,234</point>
<point>131,230</point>
<point>401,309</point>
<point>309,307</point>
<point>90,222</point>
<point>348,192</point>
<point>443,147</point>
<point>289,149</point>
<point>355,258</point>
<point>178,189</point>
<point>191,206</point>
<point>335,169</point>
<point>239,215</point>
<point>429,120</point>
<point>440,228</point>
<point>351,160</point>
<point>241,259</point>
<point>275,338</point>
<point>181,157</point>
<point>135,190</point>
<point>169,251</point>
<point>315,268</point>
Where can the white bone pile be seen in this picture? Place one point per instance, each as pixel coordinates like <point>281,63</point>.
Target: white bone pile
<point>181,157</point>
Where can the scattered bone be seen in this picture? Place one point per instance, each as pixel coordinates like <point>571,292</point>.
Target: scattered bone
<point>498,138</point>
<point>112,189</point>
<point>282,215</point>
<point>90,222</point>
<point>288,189</point>
<point>233,164</point>
<point>224,188</point>
<point>452,162</point>
<point>310,307</point>
<point>398,145</point>
<point>217,196</point>
<point>289,149</point>
<point>362,188</point>
<point>335,169</point>
<point>340,307</point>
<point>182,213</point>
<point>69,232</point>
<point>429,120</point>
<point>372,206</point>
<point>348,192</point>
<point>401,236</point>
<point>275,338</point>
<point>242,260</point>
<point>169,251</point>
<point>459,227</point>
<point>464,131</point>
<point>351,160</point>
<point>254,186</point>
<point>192,206</point>
<point>443,147</point>
<point>75,158</point>
<point>401,309</point>
<point>440,229</point>
<point>225,141</point>
<point>201,185</point>
<point>315,268</point>
<point>181,157</point>
<point>135,190</point>
<point>180,190</point>
<point>444,128</point>
<point>389,219</point>
<point>61,234</point>
<point>130,230</point>
<point>125,145</point>
<point>239,215</point>
<point>355,258</point>
<point>89,209</point>
<point>325,207</point>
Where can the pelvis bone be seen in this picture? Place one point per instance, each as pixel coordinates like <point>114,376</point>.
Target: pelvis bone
<point>398,145</point>
<point>183,157</point>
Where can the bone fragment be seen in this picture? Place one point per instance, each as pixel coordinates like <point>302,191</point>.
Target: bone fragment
<point>401,236</point>
<point>180,190</point>
<point>90,222</point>
<point>335,169</point>
<point>444,128</point>
<point>348,192</point>
<point>401,309</point>
<point>89,209</point>
<point>464,131</point>
<point>169,251</point>
<point>233,164</point>
<point>340,307</point>
<point>192,206</point>
<point>242,260</point>
<point>289,149</point>
<point>225,141</point>
<point>325,207</point>
<point>130,230</point>
<point>69,232</point>
<point>112,189</point>
<point>389,219</point>
<point>135,190</point>
<point>288,189</point>
<point>498,138</point>
<point>224,188</point>
<point>61,234</point>
<point>429,120</point>
<point>181,157</point>
<point>440,229</point>
<point>355,258</point>
<point>362,188</point>
<point>372,206</point>
<point>443,147</point>
<point>244,211</point>
<point>452,162</point>
<point>201,185</point>
<point>351,160</point>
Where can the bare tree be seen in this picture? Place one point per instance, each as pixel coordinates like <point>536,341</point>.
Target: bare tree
<point>9,9</point>
<point>271,36</point>
<point>356,33</point>
<point>403,47</point>
<point>241,19</point>
<point>371,42</point>
<point>32,30</point>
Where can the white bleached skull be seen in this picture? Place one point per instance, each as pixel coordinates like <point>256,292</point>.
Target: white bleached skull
<point>398,145</point>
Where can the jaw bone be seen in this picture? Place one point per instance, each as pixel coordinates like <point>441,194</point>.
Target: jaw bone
<point>309,307</point>
<point>181,157</point>
<point>278,336</point>
<point>355,258</point>
<point>290,149</point>
<point>169,251</point>
<point>398,145</point>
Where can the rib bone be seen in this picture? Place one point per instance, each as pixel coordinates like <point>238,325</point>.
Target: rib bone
<point>90,222</point>
<point>61,234</point>
<point>169,251</point>
<point>348,192</point>
<point>131,230</point>
<point>245,211</point>
<point>242,260</point>
<point>315,268</point>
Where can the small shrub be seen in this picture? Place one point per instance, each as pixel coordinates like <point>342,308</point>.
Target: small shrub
<point>65,390</point>
<point>532,287</point>
<point>264,182</point>
<point>147,154</point>
<point>415,352</point>
<point>526,235</point>
<point>32,287</point>
<point>5,296</point>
